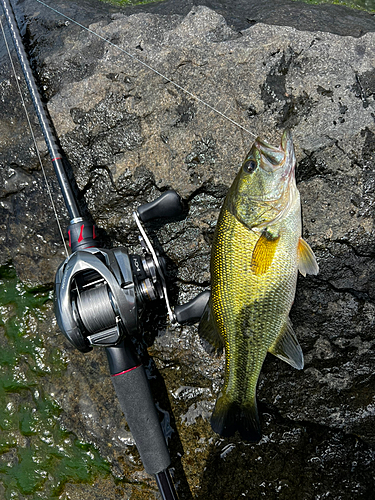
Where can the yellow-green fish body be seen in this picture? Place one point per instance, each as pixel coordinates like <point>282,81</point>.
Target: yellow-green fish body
<point>256,253</point>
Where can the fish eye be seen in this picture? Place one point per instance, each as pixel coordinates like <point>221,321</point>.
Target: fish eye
<point>249,166</point>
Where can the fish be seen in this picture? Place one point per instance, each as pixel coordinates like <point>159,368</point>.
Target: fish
<point>256,254</point>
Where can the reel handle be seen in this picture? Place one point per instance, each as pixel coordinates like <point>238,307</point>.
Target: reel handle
<point>169,204</point>
<point>136,401</point>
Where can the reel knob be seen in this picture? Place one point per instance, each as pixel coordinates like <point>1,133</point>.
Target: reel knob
<point>168,205</point>
<point>192,311</point>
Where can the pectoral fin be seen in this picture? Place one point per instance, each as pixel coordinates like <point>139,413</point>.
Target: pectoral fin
<point>208,330</point>
<point>264,252</point>
<point>287,348</point>
<point>307,263</point>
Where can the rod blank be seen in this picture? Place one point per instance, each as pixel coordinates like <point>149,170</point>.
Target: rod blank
<point>43,116</point>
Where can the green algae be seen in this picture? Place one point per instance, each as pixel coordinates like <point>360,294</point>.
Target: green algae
<point>124,3</point>
<point>367,5</point>
<point>37,455</point>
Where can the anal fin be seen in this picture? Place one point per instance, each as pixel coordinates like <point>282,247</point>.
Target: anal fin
<point>287,348</point>
<point>208,330</point>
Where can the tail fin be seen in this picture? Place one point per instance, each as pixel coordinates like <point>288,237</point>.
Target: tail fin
<point>230,416</point>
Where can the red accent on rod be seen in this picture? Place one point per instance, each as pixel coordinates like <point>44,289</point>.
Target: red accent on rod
<point>81,234</point>
<point>57,158</point>
<point>70,239</point>
<point>125,371</point>
<point>93,233</point>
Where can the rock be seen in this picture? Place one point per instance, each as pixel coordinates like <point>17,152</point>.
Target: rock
<point>130,134</point>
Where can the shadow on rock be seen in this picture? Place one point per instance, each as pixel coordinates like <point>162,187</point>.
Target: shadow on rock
<point>293,460</point>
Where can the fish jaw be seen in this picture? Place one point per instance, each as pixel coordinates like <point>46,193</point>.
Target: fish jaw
<point>279,161</point>
<point>263,194</point>
<point>273,158</point>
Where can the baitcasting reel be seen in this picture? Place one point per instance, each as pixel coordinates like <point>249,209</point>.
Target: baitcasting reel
<point>100,293</point>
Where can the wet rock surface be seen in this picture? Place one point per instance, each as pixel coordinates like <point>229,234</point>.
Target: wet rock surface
<point>129,135</point>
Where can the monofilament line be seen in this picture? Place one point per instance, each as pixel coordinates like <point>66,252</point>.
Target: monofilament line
<point>135,58</point>
<point>34,139</point>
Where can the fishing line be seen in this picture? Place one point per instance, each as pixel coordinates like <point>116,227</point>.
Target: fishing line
<point>34,139</point>
<point>135,58</point>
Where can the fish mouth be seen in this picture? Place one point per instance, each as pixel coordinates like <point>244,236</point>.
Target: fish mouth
<point>274,158</point>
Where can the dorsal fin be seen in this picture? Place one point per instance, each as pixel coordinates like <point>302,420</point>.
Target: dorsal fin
<point>287,348</point>
<point>263,252</point>
<point>307,263</point>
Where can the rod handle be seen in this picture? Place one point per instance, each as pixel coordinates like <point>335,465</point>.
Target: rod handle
<point>166,486</point>
<point>136,401</point>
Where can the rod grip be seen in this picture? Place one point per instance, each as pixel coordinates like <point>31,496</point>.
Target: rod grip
<point>136,401</point>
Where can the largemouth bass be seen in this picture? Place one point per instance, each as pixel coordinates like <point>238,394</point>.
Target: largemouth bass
<point>256,254</point>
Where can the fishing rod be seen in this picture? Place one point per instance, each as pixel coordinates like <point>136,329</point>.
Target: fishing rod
<point>100,293</point>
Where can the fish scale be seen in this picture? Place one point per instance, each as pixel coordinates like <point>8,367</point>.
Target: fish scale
<point>256,254</point>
